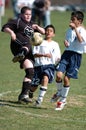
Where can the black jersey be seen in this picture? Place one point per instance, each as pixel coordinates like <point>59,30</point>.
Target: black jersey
<point>24,33</point>
<point>22,29</point>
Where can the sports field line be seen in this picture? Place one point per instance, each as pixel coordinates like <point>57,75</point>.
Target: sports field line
<point>4,93</point>
<point>45,116</point>
<point>38,115</point>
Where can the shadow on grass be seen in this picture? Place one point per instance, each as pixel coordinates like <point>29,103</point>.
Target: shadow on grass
<point>19,104</point>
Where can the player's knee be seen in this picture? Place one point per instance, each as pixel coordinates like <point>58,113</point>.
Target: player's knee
<point>58,77</point>
<point>29,73</point>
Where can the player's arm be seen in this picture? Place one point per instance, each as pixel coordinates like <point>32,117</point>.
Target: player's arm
<point>79,36</point>
<point>38,28</point>
<point>9,31</point>
<point>9,28</point>
<point>66,43</point>
<point>42,55</point>
<point>72,25</point>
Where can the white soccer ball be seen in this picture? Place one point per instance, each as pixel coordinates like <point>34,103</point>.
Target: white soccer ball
<point>37,39</point>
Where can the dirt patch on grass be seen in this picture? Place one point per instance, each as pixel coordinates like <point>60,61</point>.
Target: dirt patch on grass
<point>77,100</point>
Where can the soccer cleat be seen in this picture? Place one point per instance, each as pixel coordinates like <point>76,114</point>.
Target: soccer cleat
<point>24,98</point>
<point>60,106</point>
<point>54,98</point>
<point>18,57</point>
<point>37,104</point>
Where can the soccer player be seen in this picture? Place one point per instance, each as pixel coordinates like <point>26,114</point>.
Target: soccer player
<point>46,55</point>
<point>70,62</point>
<point>21,30</point>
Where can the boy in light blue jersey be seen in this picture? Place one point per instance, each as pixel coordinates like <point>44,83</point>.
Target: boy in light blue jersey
<point>70,62</point>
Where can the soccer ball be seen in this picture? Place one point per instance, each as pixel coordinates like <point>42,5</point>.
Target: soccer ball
<point>37,39</point>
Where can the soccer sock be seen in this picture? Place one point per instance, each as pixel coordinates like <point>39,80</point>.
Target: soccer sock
<point>32,90</point>
<point>59,88</point>
<point>64,93</point>
<point>42,92</point>
<point>31,94</point>
<point>25,87</point>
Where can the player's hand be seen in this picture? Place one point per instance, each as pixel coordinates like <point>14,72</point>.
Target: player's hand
<point>34,26</point>
<point>66,43</point>
<point>40,29</point>
<point>72,25</point>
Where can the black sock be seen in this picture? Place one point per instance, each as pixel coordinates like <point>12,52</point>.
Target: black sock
<point>25,88</point>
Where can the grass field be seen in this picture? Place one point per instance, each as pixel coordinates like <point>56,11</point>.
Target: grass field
<point>14,116</point>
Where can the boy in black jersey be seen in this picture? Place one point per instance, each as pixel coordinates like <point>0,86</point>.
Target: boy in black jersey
<point>21,30</point>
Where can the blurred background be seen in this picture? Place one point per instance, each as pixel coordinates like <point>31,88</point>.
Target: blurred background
<point>64,4</point>
<point>55,5</point>
<point>59,5</point>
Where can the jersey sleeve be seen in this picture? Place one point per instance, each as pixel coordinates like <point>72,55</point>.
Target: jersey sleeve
<point>70,35</point>
<point>12,24</point>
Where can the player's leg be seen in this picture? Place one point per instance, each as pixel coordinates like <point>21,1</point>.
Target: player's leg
<point>35,81</point>
<point>32,90</point>
<point>72,70</point>
<point>21,55</point>
<point>29,72</point>
<point>48,76</point>
<point>64,93</point>
<point>59,85</point>
<point>42,90</point>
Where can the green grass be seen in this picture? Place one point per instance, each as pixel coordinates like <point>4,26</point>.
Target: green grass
<point>14,116</point>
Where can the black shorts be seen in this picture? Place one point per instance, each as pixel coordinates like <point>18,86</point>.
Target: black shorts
<point>15,49</point>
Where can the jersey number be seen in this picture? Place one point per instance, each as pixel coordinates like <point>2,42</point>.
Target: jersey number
<point>35,81</point>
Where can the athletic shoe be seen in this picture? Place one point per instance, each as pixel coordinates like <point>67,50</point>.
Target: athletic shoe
<point>54,98</point>
<point>24,98</point>
<point>37,104</point>
<point>60,105</point>
<point>18,57</point>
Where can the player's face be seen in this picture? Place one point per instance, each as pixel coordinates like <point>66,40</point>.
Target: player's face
<point>27,15</point>
<point>49,32</point>
<point>75,20</point>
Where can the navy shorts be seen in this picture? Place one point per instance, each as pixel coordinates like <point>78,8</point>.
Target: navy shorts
<point>40,71</point>
<point>69,64</point>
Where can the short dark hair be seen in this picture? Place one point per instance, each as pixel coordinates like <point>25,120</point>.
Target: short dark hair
<point>23,9</point>
<point>50,26</point>
<point>78,14</point>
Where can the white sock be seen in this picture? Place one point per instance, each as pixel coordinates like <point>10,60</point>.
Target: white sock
<point>59,88</point>
<point>42,92</point>
<point>64,93</point>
